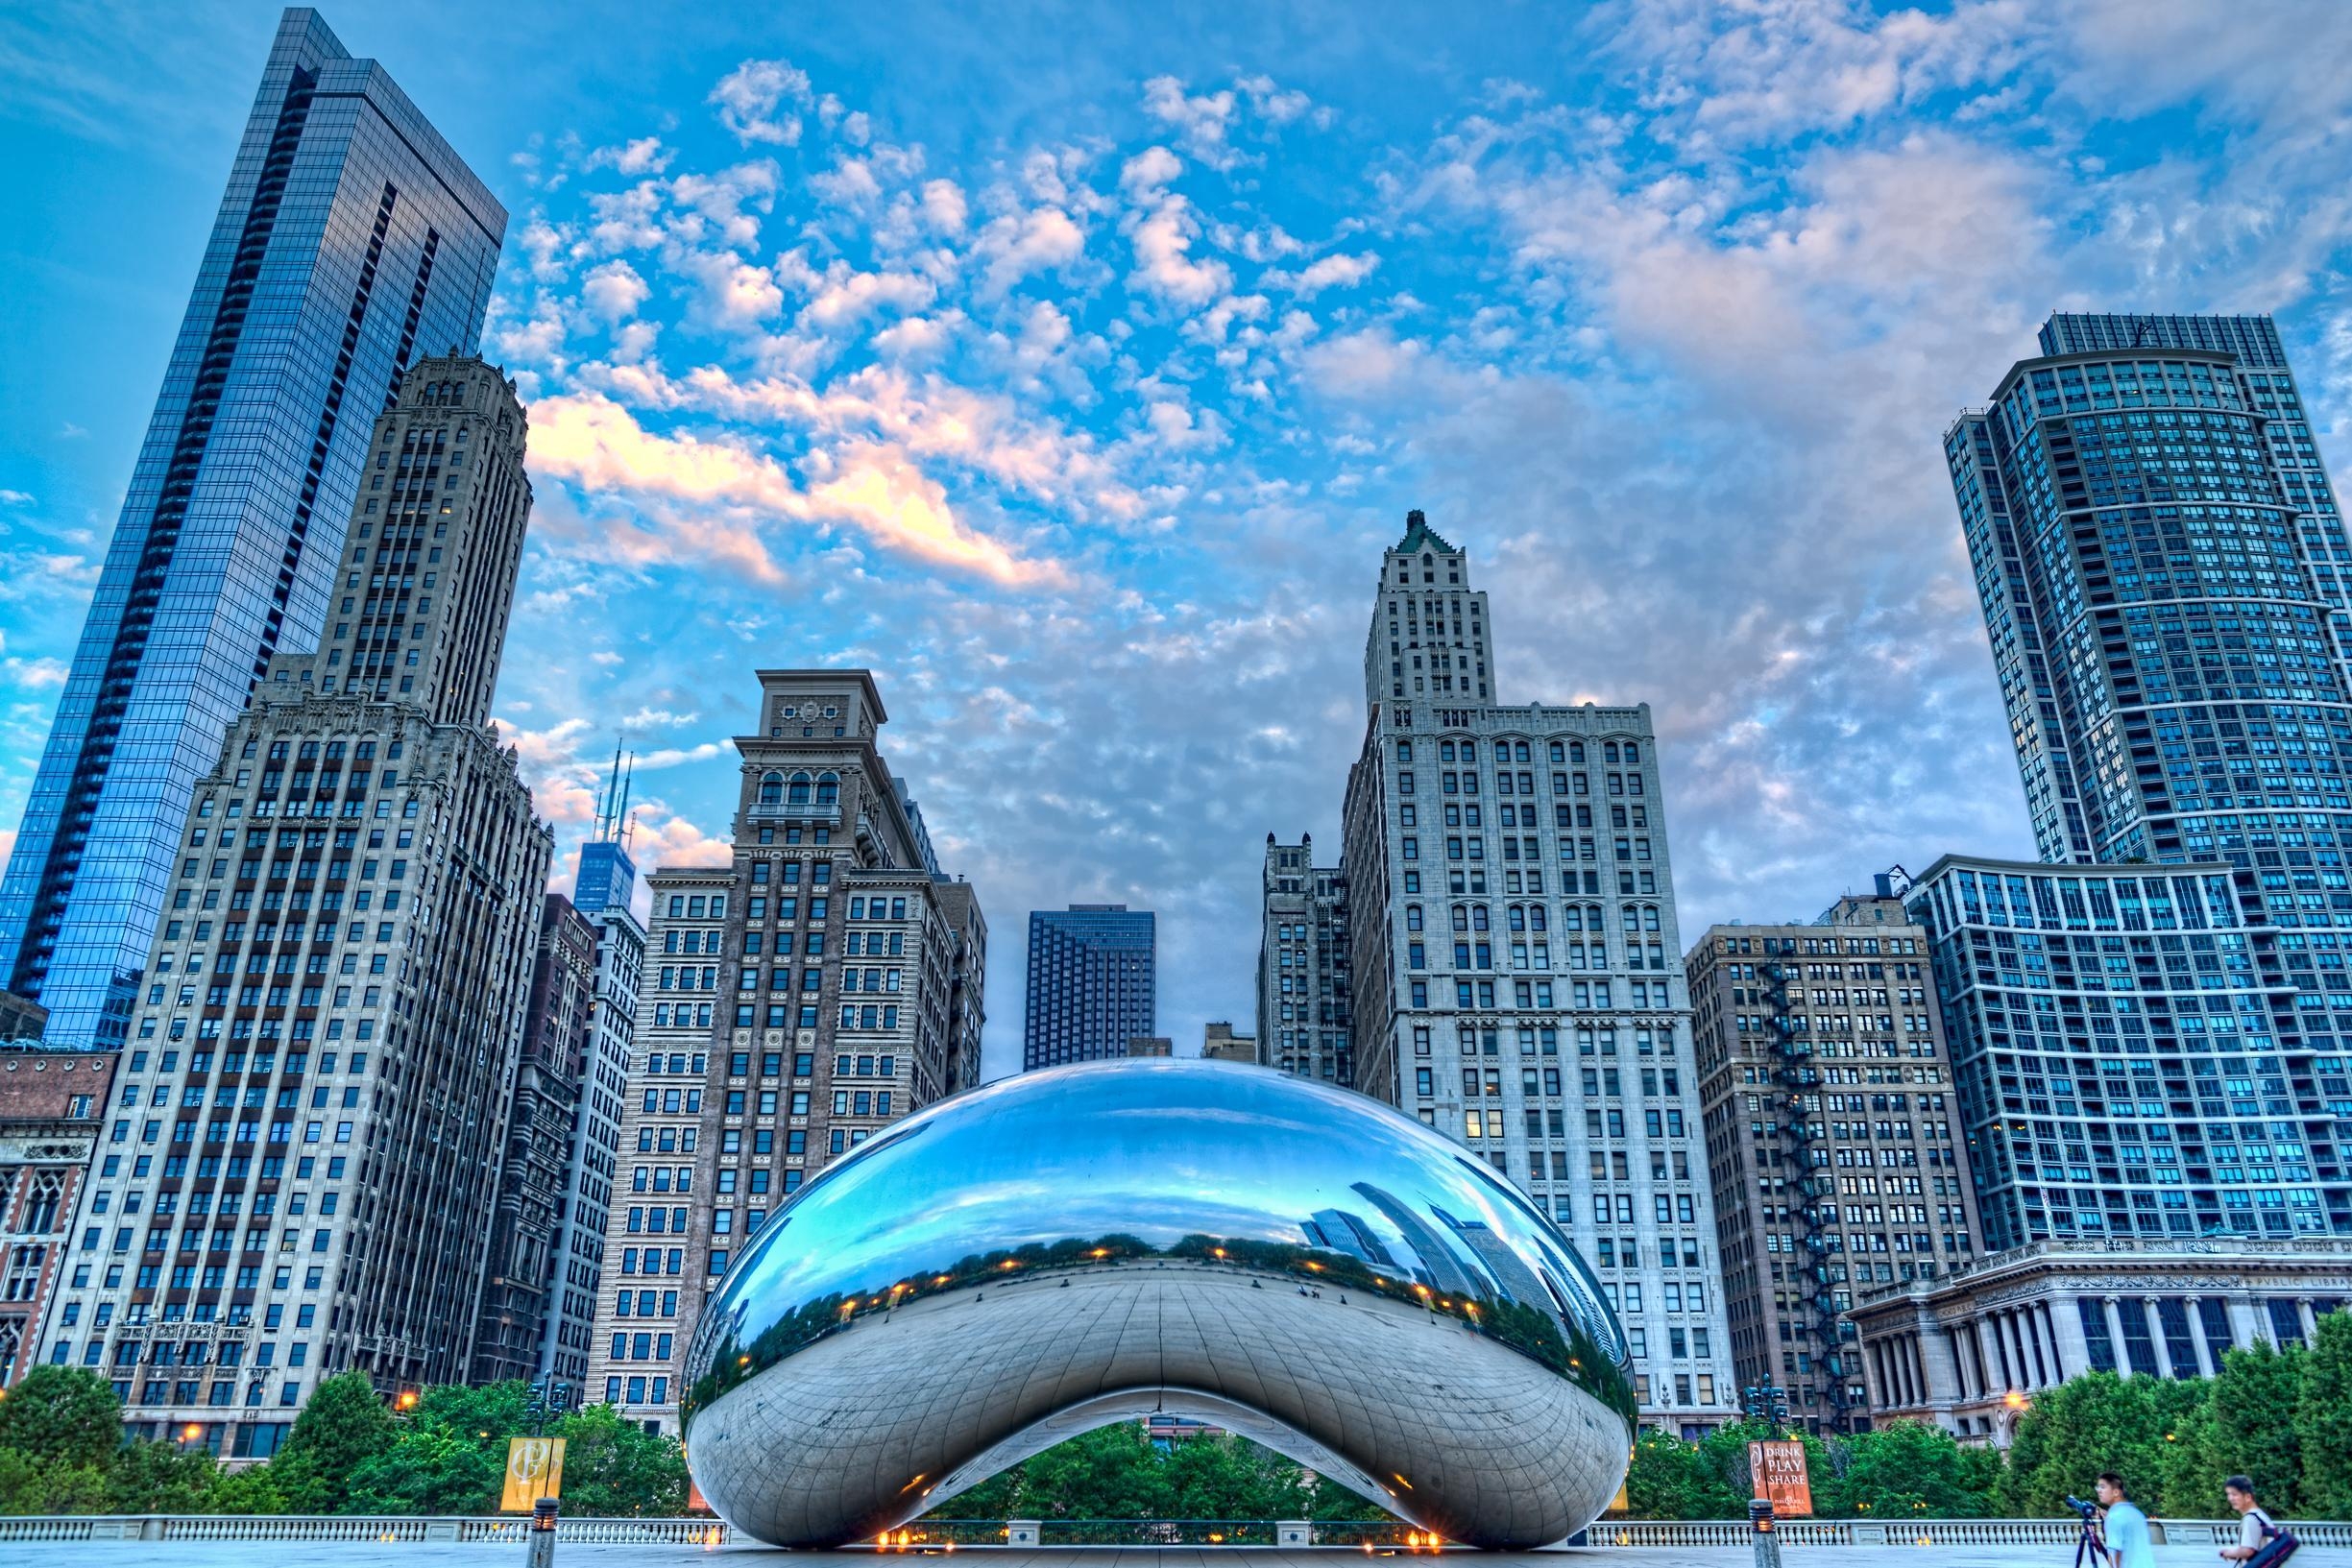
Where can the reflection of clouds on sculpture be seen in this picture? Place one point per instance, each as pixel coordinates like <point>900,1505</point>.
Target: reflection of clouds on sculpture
<point>1053,1251</point>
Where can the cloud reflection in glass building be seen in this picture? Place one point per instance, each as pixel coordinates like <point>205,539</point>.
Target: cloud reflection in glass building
<point>1068,1248</point>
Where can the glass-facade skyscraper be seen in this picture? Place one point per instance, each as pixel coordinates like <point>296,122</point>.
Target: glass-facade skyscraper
<point>351,240</point>
<point>1091,983</point>
<point>2151,1041</point>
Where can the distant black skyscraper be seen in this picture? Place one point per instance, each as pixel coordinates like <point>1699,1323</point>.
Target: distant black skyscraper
<point>1091,983</point>
<point>350,239</point>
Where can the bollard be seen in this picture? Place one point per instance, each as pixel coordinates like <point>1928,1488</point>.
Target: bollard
<point>1767,1544</point>
<point>542,1534</point>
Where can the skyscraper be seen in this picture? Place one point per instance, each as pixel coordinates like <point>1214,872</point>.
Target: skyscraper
<point>298,1175</point>
<point>821,985</point>
<point>1091,983</point>
<point>1513,958</point>
<point>1302,965</point>
<point>603,891</point>
<point>525,1262</point>
<point>349,238</point>
<point>1831,1138</point>
<point>2150,1028</point>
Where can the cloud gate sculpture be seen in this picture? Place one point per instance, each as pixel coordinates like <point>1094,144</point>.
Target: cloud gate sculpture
<point>1067,1248</point>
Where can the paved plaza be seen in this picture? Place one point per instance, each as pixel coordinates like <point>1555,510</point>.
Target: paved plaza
<point>368,1555</point>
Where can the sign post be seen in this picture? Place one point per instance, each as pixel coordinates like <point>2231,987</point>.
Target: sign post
<point>534,1469</point>
<point>1777,1470</point>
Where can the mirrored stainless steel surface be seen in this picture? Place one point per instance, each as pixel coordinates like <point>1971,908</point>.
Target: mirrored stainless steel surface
<point>1066,1248</point>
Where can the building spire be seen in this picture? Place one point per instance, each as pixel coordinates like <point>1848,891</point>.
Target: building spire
<point>1418,533</point>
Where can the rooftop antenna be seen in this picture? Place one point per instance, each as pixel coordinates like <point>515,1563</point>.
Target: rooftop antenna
<point>609,796</point>
<point>628,825</point>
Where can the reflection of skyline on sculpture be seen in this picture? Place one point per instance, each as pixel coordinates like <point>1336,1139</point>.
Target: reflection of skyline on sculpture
<point>1182,1206</point>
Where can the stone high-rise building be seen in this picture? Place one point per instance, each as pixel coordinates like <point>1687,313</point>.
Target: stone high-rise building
<point>53,1113</point>
<point>1831,1138</point>
<point>525,1259</point>
<point>301,1176</point>
<point>1302,965</point>
<point>1093,983</point>
<point>821,986</point>
<point>1516,966</point>
<point>604,892</point>
<point>351,238</point>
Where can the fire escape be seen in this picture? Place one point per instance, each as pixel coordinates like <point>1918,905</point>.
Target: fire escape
<point>1805,1140</point>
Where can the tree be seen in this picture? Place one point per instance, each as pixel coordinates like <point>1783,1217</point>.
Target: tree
<point>2323,1420</point>
<point>2253,1405</point>
<point>2095,1422</point>
<point>62,1416</point>
<point>249,1490</point>
<point>29,1485</point>
<point>343,1424</point>
<point>448,1455</point>
<point>615,1468</point>
<point>1903,1470</point>
<point>149,1477</point>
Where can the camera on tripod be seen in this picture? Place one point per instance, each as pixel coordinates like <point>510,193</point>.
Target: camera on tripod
<point>2087,1509</point>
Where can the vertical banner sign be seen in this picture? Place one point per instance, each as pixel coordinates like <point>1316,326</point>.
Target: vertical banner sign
<point>1778,1471</point>
<point>534,1469</point>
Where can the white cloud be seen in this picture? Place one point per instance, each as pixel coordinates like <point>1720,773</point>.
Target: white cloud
<point>614,290</point>
<point>750,96</point>
<point>1016,245</point>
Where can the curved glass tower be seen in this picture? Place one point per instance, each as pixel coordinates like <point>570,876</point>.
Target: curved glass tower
<point>350,240</point>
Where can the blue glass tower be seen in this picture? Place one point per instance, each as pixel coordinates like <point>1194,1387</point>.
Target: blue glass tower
<point>351,238</point>
<point>1091,971</point>
<point>2151,1030</point>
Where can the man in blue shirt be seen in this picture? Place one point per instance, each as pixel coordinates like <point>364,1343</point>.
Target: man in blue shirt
<point>2126,1531</point>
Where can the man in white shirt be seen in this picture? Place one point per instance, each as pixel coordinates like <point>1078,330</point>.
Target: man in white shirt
<point>2128,1544</point>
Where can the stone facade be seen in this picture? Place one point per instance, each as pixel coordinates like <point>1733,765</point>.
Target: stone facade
<point>323,1055</point>
<point>822,985</point>
<point>604,892</point>
<point>1970,1351</point>
<point>1303,978</point>
<point>53,1110</point>
<point>1825,1087</point>
<point>1516,982</point>
<point>523,1263</point>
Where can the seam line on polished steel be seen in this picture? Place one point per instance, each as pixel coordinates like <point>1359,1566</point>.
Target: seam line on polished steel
<point>1067,1248</point>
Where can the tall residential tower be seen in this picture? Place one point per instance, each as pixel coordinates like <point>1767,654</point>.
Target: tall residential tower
<point>1091,983</point>
<point>298,1175</point>
<point>1514,960</point>
<point>1302,965</point>
<point>818,987</point>
<point>350,239</point>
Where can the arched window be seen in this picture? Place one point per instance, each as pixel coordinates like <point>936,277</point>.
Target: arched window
<point>1462,917</point>
<point>828,789</point>
<point>771,790</point>
<point>1413,917</point>
<point>799,795</point>
<point>1535,916</point>
<point>1478,917</point>
<point>1576,750</point>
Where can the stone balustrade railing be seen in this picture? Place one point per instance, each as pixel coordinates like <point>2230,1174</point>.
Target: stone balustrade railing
<point>705,1532</point>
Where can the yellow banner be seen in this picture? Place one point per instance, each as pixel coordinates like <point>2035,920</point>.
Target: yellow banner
<point>534,1469</point>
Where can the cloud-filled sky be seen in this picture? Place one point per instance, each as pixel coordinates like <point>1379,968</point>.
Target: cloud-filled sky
<point>1070,365</point>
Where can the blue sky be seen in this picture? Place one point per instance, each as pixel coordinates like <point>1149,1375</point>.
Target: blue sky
<point>1070,365</point>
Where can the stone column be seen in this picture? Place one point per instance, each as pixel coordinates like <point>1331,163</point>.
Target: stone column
<point>2246,1324</point>
<point>2207,1361</point>
<point>2311,1323</point>
<point>2025,1359</point>
<point>1940,1368</point>
<point>2115,1334</point>
<point>2156,1334</point>
<point>2066,1332</point>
